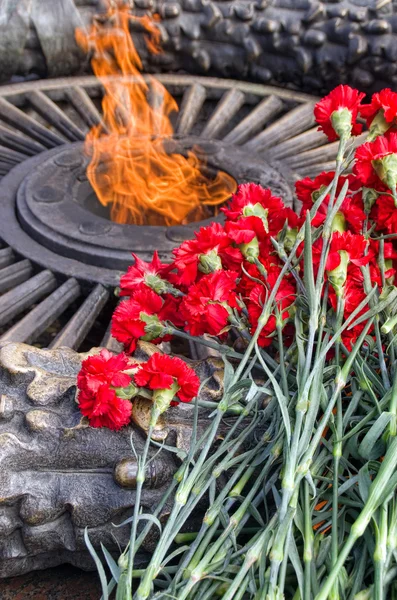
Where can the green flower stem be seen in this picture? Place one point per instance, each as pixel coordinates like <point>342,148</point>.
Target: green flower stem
<point>337,450</point>
<point>140,481</point>
<point>393,408</point>
<point>308,543</point>
<point>284,378</point>
<point>380,553</point>
<point>358,528</point>
<point>180,500</point>
<point>253,555</point>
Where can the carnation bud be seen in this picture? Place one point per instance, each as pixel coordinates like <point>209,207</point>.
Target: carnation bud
<point>250,251</point>
<point>386,169</point>
<point>257,210</point>
<point>153,328</point>
<point>163,398</point>
<point>337,277</point>
<point>379,126</point>
<point>342,122</point>
<point>210,262</point>
<point>123,562</point>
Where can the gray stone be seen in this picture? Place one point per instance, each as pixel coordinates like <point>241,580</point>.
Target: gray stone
<point>59,476</point>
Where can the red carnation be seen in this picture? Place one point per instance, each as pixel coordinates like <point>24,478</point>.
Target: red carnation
<point>354,246</point>
<point>211,250</point>
<point>138,318</point>
<point>104,408</point>
<point>207,306</point>
<point>384,213</point>
<point>284,299</point>
<point>308,191</point>
<point>103,368</point>
<point>142,273</point>
<point>375,162</point>
<point>336,114</point>
<point>252,200</point>
<point>163,373</point>
<point>381,113</point>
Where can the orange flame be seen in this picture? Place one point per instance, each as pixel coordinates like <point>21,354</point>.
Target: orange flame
<point>130,168</point>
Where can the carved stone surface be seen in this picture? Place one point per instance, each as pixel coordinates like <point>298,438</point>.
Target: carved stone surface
<point>59,476</point>
<point>310,44</point>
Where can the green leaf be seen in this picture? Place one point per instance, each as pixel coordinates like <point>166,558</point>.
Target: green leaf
<point>368,448</point>
<point>113,566</point>
<point>228,373</point>
<point>282,401</point>
<point>364,482</point>
<point>98,564</point>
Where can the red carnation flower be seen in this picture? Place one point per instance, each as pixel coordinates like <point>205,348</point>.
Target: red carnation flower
<point>308,191</point>
<point>384,213</point>
<point>142,273</point>
<point>353,245</point>
<point>336,114</point>
<point>284,299</point>
<point>138,318</point>
<point>207,306</point>
<point>381,113</point>
<point>210,251</point>
<point>103,368</point>
<point>372,162</point>
<point>163,372</point>
<point>104,408</point>
<point>252,200</point>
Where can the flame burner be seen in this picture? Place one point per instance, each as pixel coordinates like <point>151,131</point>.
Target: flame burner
<point>57,207</point>
<point>60,255</point>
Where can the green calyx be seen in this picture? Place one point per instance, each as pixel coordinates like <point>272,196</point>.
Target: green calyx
<point>130,391</point>
<point>370,196</point>
<point>250,251</point>
<point>342,122</point>
<point>210,262</point>
<point>157,284</point>
<point>337,277</point>
<point>153,327</point>
<point>386,169</point>
<point>339,223</point>
<point>379,126</point>
<point>163,398</point>
<point>257,210</point>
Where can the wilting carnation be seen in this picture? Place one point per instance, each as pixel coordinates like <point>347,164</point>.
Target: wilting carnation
<point>103,368</point>
<point>207,306</point>
<point>336,114</point>
<point>104,408</point>
<point>210,251</point>
<point>376,162</point>
<point>141,273</point>
<point>284,299</point>
<point>141,317</point>
<point>168,377</point>
<point>381,113</point>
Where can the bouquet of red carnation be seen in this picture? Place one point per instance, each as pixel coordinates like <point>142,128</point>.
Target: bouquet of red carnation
<point>306,304</point>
